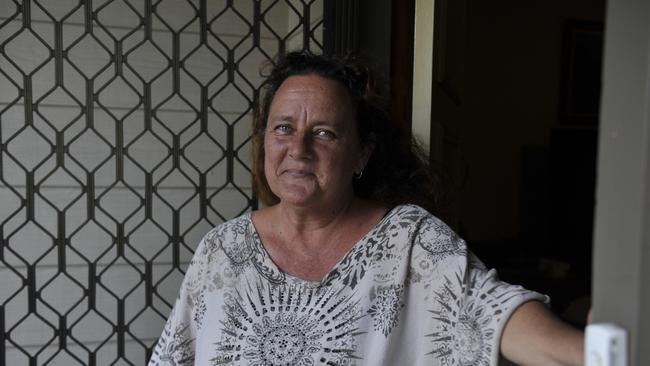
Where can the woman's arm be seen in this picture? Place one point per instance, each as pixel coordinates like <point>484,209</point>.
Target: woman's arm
<point>534,336</point>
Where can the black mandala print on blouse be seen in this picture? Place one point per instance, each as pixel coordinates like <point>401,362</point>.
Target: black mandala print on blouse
<point>468,313</point>
<point>241,244</point>
<point>235,242</point>
<point>199,309</point>
<point>439,241</point>
<point>376,247</point>
<point>288,325</point>
<point>464,334</point>
<point>192,291</point>
<point>386,307</point>
<point>174,347</point>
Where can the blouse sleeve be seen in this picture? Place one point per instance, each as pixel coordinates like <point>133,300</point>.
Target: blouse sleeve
<point>488,303</point>
<point>176,345</point>
<point>470,304</point>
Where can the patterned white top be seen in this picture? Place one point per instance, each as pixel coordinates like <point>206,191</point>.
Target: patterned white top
<point>408,293</point>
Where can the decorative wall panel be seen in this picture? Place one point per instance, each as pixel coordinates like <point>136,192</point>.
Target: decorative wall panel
<point>124,137</point>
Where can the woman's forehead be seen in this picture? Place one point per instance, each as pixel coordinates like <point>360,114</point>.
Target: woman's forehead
<point>313,91</point>
<point>312,83</point>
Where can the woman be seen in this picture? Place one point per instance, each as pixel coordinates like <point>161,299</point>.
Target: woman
<point>342,267</point>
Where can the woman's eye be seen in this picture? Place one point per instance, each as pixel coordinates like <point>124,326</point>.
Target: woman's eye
<point>282,129</point>
<point>324,133</point>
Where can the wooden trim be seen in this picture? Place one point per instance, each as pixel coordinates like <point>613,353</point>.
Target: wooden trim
<point>422,72</point>
<point>401,62</point>
<point>340,21</point>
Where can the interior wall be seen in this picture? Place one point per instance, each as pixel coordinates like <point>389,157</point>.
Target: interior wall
<point>510,100</point>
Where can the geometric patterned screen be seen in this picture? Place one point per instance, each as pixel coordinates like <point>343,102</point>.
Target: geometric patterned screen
<point>124,137</point>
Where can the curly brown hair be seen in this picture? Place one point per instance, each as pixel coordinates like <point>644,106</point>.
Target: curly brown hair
<point>397,171</point>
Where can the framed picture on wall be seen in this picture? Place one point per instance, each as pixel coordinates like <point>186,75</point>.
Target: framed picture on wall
<point>580,81</point>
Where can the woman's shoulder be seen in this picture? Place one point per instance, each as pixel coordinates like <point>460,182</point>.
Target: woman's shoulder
<point>236,227</point>
<point>417,222</point>
<point>412,212</point>
<point>426,230</point>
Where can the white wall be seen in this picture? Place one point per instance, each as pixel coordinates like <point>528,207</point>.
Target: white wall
<point>88,131</point>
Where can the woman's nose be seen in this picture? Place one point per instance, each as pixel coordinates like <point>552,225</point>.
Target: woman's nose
<point>300,147</point>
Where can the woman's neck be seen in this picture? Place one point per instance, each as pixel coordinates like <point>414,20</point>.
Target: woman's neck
<point>308,243</point>
<point>305,221</point>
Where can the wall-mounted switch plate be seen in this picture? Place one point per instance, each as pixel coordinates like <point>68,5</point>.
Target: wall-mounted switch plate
<point>605,345</point>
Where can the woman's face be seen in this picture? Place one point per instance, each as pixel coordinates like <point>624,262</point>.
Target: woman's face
<point>311,143</point>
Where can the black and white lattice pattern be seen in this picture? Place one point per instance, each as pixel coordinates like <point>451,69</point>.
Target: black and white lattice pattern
<point>124,137</point>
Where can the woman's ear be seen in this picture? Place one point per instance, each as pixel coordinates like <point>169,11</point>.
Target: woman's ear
<point>366,152</point>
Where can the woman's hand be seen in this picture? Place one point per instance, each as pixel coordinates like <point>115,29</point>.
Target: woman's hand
<point>534,336</point>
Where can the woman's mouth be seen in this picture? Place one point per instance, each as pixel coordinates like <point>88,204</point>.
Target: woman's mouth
<point>298,173</point>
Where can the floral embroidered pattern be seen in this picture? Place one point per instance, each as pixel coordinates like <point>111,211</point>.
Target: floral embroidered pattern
<point>386,308</point>
<point>439,241</point>
<point>174,347</point>
<point>379,247</point>
<point>199,309</point>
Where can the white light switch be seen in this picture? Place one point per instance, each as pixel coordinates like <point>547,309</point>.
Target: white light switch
<point>605,345</point>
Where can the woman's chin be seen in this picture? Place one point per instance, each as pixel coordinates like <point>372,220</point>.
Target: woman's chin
<point>298,201</point>
<point>300,197</point>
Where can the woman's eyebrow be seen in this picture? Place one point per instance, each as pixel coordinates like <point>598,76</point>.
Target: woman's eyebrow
<point>323,123</point>
<point>333,123</point>
<point>282,118</point>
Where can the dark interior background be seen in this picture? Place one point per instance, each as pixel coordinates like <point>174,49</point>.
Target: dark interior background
<point>527,133</point>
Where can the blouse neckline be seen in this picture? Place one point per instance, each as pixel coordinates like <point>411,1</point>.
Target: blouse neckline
<point>270,263</point>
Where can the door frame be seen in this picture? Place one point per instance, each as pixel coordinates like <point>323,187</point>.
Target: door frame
<point>621,262</point>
